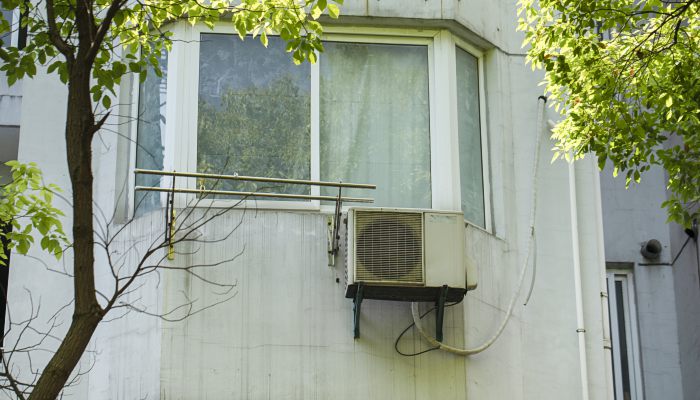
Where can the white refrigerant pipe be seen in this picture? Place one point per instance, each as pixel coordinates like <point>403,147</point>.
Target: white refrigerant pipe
<point>530,249</point>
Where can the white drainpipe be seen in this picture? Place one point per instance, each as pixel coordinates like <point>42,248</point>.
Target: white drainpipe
<point>581,331</point>
<point>580,328</point>
<point>607,342</point>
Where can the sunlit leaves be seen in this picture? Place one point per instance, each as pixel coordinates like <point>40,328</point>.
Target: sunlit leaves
<point>139,32</point>
<point>624,75</point>
<point>26,204</point>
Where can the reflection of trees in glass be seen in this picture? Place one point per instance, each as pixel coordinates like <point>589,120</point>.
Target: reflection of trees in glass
<point>150,134</point>
<point>256,132</point>
<point>254,113</point>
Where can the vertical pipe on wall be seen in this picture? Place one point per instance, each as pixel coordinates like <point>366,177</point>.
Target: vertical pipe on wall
<point>580,329</point>
<point>607,342</point>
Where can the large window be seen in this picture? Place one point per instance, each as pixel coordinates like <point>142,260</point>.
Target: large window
<point>377,108</point>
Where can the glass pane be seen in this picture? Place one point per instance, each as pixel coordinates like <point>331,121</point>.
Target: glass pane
<point>375,121</point>
<point>622,337</point>
<point>254,113</point>
<point>6,37</point>
<point>150,135</point>
<point>470,165</point>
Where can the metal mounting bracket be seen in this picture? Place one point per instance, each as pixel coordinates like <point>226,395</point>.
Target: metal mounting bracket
<point>357,304</point>
<point>170,221</point>
<point>334,244</point>
<point>440,305</point>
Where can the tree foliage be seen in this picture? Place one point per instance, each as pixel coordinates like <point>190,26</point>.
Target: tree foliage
<point>126,36</point>
<point>91,45</point>
<point>26,204</point>
<point>624,75</point>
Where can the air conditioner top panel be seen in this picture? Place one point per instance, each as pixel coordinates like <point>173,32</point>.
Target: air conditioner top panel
<point>405,210</point>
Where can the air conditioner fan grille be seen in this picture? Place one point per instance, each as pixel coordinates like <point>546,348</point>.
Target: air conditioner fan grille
<point>389,247</point>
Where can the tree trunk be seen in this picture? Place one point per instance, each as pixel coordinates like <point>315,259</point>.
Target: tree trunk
<point>87,314</point>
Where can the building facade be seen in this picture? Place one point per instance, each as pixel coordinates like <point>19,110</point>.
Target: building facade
<point>430,100</point>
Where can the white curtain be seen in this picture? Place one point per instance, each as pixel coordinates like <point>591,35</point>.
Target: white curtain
<point>375,121</point>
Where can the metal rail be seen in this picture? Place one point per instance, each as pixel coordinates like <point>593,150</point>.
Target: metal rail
<point>255,179</point>
<point>254,194</point>
<point>334,224</point>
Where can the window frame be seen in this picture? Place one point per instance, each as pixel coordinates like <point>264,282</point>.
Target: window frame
<point>632,332</point>
<point>182,110</point>
<point>169,142</point>
<point>483,127</point>
<point>187,138</point>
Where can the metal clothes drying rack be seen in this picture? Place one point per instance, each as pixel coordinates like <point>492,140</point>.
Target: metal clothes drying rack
<point>334,224</point>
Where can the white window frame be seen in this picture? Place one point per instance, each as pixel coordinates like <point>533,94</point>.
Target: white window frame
<point>182,110</point>
<point>631,330</point>
<point>186,133</point>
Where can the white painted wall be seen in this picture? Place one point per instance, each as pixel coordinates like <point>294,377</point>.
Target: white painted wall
<point>288,331</point>
<point>10,102</point>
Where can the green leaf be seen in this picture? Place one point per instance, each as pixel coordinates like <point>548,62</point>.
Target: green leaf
<point>333,11</point>
<point>26,204</point>
<point>316,11</point>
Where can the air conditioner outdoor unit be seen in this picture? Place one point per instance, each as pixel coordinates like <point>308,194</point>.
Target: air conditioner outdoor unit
<point>406,254</point>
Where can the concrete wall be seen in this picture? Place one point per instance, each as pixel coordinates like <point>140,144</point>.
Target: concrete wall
<point>287,331</point>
